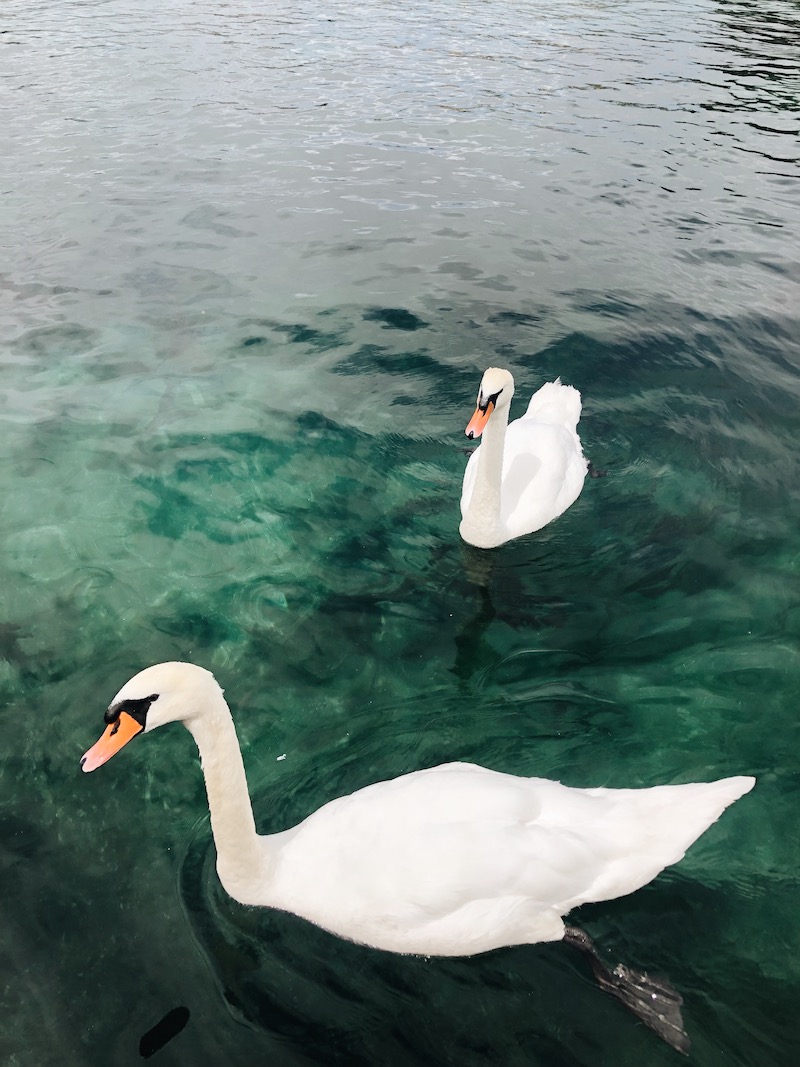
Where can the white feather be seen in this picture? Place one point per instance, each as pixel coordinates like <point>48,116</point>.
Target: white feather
<point>525,473</point>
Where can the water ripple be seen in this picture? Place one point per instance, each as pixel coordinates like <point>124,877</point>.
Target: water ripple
<point>255,261</point>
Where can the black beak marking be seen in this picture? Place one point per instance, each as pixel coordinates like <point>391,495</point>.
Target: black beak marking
<point>137,709</point>
<point>489,400</point>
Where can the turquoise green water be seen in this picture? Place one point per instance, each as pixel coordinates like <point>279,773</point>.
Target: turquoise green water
<point>255,264</point>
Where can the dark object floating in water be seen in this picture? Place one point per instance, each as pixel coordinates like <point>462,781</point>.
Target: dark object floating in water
<point>170,1026</point>
<point>395,318</point>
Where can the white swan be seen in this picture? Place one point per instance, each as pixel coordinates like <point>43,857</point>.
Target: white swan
<point>448,861</point>
<point>525,474</point>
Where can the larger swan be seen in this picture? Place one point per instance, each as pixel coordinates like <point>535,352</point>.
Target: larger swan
<point>449,861</point>
<point>525,474</point>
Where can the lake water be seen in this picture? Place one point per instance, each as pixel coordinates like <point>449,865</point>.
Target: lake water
<point>255,260</point>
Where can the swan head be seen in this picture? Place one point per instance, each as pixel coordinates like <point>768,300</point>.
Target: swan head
<point>165,692</point>
<point>496,391</point>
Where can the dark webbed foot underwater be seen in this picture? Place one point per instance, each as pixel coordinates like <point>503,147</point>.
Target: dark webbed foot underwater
<point>652,1000</point>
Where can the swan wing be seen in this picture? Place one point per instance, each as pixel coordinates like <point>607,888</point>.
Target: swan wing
<point>557,404</point>
<point>408,865</point>
<point>543,473</point>
<point>411,864</point>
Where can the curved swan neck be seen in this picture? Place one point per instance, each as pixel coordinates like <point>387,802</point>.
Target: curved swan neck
<point>484,505</point>
<point>240,852</point>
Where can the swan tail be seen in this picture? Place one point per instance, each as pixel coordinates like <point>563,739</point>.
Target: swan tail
<point>556,403</point>
<point>652,1000</point>
<point>691,809</point>
<point>646,830</point>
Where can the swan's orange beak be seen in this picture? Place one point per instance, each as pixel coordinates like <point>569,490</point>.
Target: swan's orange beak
<point>477,424</point>
<point>117,735</point>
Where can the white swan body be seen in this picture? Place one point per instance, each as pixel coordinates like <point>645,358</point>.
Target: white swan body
<point>526,473</point>
<point>449,861</point>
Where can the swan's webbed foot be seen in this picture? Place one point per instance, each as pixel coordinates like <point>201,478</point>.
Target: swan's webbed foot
<point>652,1000</point>
<point>593,472</point>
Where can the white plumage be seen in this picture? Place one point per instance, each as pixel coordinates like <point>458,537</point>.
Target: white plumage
<point>525,473</point>
<point>449,861</point>
<point>460,859</point>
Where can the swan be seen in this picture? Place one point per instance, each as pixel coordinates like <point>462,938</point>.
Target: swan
<point>450,861</point>
<point>525,474</point>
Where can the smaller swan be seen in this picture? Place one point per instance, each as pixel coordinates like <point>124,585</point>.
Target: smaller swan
<point>524,475</point>
<point>449,861</point>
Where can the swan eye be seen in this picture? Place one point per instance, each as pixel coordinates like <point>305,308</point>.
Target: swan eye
<point>489,400</point>
<point>137,709</point>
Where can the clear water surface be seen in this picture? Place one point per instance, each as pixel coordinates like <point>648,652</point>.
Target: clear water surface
<point>255,259</point>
